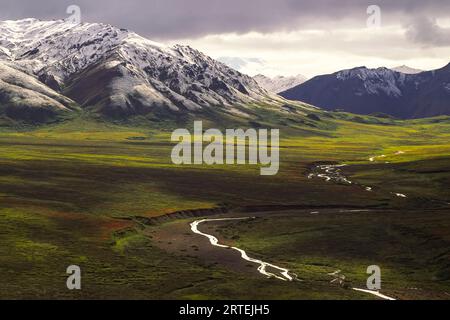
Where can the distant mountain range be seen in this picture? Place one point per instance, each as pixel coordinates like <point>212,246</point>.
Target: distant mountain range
<point>407,70</point>
<point>51,67</point>
<point>368,91</point>
<point>280,83</point>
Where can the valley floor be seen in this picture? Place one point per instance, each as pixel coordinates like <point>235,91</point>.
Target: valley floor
<point>82,192</point>
<point>314,245</point>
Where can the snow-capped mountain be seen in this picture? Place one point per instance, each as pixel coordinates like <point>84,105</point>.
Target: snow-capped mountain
<point>366,91</point>
<point>375,81</point>
<point>118,72</point>
<point>280,83</point>
<point>407,70</point>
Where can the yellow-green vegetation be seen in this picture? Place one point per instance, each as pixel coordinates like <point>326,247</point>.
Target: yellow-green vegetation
<point>411,247</point>
<point>67,190</point>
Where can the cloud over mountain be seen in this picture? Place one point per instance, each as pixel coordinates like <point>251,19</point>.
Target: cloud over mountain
<point>174,19</point>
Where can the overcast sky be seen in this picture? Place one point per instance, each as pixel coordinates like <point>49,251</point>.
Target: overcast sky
<point>285,37</point>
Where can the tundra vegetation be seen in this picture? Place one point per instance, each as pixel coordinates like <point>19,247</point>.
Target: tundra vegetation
<point>79,191</point>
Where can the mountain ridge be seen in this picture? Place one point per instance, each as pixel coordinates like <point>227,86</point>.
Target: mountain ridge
<point>407,70</point>
<point>362,90</point>
<point>279,83</point>
<point>124,73</point>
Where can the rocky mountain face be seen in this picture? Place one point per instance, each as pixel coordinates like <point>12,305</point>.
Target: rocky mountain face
<point>280,83</point>
<point>367,91</point>
<point>22,95</point>
<point>56,65</point>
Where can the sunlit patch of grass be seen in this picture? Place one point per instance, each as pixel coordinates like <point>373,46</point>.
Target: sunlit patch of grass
<point>132,240</point>
<point>35,251</point>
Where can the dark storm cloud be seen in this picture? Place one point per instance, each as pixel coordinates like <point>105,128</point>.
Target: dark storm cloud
<point>427,32</point>
<point>172,19</point>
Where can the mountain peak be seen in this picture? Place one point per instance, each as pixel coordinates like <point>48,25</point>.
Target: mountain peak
<point>364,73</point>
<point>366,91</point>
<point>279,83</point>
<point>120,72</point>
<point>407,70</point>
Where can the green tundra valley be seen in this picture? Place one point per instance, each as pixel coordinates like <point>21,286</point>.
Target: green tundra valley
<point>88,192</point>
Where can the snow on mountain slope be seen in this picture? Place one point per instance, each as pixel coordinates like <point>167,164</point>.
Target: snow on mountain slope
<point>366,91</point>
<point>375,81</point>
<point>24,95</point>
<point>406,70</point>
<point>280,83</point>
<point>130,72</point>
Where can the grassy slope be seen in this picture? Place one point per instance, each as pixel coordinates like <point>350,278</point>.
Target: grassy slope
<point>64,186</point>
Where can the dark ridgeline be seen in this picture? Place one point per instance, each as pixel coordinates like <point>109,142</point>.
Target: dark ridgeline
<point>370,91</point>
